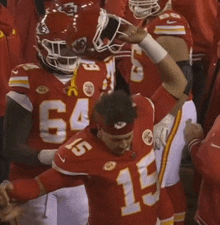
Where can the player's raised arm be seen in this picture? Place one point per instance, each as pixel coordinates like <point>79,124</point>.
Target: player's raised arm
<point>173,78</point>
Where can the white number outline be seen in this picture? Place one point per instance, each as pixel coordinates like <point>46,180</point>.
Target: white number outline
<point>146,180</point>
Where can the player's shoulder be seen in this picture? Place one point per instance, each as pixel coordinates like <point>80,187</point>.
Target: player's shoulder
<point>95,66</point>
<point>26,69</point>
<point>21,74</point>
<point>169,23</point>
<point>170,17</point>
<point>142,102</point>
<point>79,146</point>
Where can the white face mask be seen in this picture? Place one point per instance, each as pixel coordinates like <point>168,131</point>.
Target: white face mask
<point>109,26</point>
<point>144,8</point>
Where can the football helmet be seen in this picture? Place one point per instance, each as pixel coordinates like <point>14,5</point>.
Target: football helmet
<point>71,7</point>
<point>94,32</point>
<point>51,44</point>
<point>145,8</point>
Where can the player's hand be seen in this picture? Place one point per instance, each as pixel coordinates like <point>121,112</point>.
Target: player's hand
<point>11,211</point>
<point>132,34</point>
<point>161,131</point>
<point>193,131</point>
<point>5,186</point>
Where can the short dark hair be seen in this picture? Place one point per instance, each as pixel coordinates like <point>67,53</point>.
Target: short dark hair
<point>115,107</point>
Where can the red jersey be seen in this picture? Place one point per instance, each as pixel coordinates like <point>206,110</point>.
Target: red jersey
<point>206,159</point>
<point>201,16</point>
<point>122,10</point>
<point>144,75</point>
<point>121,189</point>
<point>25,17</point>
<point>9,52</point>
<point>59,110</point>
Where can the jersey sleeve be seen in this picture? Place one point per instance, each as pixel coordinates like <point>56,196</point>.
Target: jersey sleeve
<point>73,158</point>
<point>173,24</point>
<point>206,155</point>
<point>164,102</point>
<point>19,80</point>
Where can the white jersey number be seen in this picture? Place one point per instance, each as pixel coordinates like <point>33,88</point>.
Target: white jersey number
<point>79,119</point>
<point>146,180</point>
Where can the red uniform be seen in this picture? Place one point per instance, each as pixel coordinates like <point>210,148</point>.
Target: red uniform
<point>121,10</point>
<point>201,16</point>
<point>121,189</point>
<point>57,116</point>
<point>144,74</point>
<point>205,156</point>
<point>9,52</point>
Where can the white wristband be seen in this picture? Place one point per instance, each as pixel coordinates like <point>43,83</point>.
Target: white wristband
<point>153,50</point>
<point>46,156</point>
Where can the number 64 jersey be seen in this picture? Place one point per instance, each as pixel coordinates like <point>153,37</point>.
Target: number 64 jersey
<point>59,107</point>
<point>122,190</point>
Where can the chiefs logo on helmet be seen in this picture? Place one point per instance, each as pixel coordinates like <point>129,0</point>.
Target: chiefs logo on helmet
<point>79,45</point>
<point>69,8</point>
<point>42,28</point>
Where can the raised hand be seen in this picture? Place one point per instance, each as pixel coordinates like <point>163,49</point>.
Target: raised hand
<point>133,34</point>
<point>193,131</point>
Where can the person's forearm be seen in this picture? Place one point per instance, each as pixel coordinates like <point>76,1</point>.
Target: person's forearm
<point>172,76</point>
<point>24,190</point>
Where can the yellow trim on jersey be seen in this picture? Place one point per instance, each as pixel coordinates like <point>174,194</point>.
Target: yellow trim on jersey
<point>14,32</point>
<point>19,82</point>
<point>2,34</point>
<point>73,86</point>
<point>166,222</point>
<point>179,217</point>
<point>168,145</point>
<point>169,30</point>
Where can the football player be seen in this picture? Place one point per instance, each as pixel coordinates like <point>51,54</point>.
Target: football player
<point>50,101</point>
<point>201,16</point>
<point>172,31</point>
<point>205,156</point>
<point>116,159</point>
<point>9,57</point>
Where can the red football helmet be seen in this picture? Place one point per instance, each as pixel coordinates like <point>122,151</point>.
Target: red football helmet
<point>94,31</point>
<point>51,44</point>
<point>145,8</point>
<point>71,7</point>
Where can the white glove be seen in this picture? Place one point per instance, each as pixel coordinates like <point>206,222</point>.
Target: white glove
<point>46,156</point>
<point>161,131</point>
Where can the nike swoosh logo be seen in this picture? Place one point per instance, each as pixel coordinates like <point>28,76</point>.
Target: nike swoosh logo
<point>15,72</point>
<point>62,160</point>
<point>216,146</point>
<point>171,22</point>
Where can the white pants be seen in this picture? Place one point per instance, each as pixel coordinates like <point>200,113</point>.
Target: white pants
<point>66,206</point>
<point>168,158</point>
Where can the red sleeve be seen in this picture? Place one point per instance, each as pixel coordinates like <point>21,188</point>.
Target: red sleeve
<point>110,6</point>
<point>164,102</point>
<point>53,180</point>
<point>206,157</point>
<point>24,190</point>
<point>27,189</point>
<point>121,8</point>
<point>26,21</point>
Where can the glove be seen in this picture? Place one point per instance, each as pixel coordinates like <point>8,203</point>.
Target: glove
<point>11,211</point>
<point>46,156</point>
<point>5,186</point>
<point>161,131</point>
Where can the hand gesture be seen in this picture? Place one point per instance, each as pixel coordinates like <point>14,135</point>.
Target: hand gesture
<point>193,131</point>
<point>133,34</point>
<point>5,186</point>
<point>161,131</point>
<point>11,211</point>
